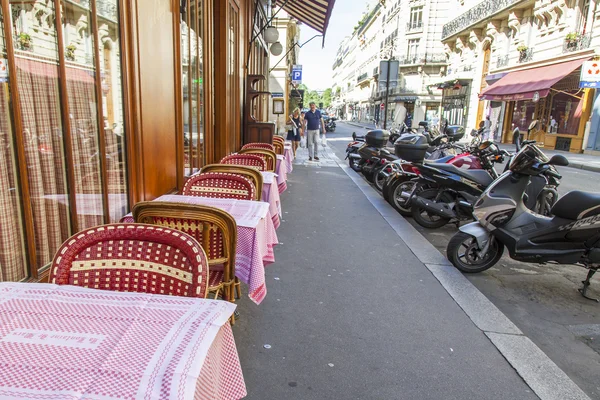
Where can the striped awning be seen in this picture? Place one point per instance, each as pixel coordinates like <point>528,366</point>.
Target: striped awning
<point>314,13</point>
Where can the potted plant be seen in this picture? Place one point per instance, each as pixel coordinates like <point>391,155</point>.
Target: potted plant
<point>24,41</point>
<point>70,52</point>
<point>522,48</point>
<point>572,39</point>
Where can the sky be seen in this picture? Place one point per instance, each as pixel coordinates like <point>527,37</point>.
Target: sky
<point>316,61</point>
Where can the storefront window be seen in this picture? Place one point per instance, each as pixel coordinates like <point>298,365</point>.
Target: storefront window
<point>523,114</point>
<point>13,265</point>
<point>565,114</point>
<point>112,106</point>
<point>36,59</point>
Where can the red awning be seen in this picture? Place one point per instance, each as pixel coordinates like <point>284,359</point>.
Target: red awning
<point>522,85</point>
<point>314,13</point>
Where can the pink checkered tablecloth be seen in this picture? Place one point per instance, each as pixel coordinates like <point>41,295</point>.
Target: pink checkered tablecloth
<point>272,196</point>
<point>288,153</point>
<point>69,342</point>
<point>255,242</point>
<point>281,171</point>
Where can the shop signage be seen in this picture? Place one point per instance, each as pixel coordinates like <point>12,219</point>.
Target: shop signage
<point>277,95</point>
<point>590,75</point>
<point>536,97</point>
<point>382,106</point>
<point>297,74</point>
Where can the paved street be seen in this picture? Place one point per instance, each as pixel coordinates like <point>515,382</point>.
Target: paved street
<point>541,300</point>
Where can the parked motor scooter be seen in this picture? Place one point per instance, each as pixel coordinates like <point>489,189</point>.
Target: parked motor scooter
<point>373,153</point>
<point>330,124</point>
<point>354,159</point>
<point>570,236</point>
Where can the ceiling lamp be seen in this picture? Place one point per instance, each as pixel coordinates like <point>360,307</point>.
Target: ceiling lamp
<point>271,34</point>
<point>276,49</point>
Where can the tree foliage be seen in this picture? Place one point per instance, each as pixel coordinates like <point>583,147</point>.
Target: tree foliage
<point>313,95</point>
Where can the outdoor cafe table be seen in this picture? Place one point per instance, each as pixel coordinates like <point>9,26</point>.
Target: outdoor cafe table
<point>288,153</point>
<point>70,342</point>
<point>281,171</point>
<point>256,237</point>
<point>271,196</point>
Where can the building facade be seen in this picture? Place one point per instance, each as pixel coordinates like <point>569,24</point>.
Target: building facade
<point>500,53</point>
<point>105,103</point>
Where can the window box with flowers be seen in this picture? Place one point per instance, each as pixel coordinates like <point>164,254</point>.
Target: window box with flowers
<point>70,52</point>
<point>572,39</point>
<point>24,41</point>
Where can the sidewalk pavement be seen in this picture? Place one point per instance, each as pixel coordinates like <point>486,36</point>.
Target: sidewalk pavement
<point>585,162</point>
<point>353,312</point>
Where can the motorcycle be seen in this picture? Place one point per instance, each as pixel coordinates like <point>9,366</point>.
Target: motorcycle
<point>330,124</point>
<point>454,190</point>
<point>352,155</point>
<point>570,236</point>
<point>395,133</point>
<point>374,156</point>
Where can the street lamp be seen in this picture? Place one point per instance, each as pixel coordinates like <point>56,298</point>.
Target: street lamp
<point>276,49</point>
<point>271,35</point>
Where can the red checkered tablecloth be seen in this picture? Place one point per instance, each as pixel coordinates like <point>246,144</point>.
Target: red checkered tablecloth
<point>255,242</point>
<point>272,196</point>
<point>289,157</point>
<point>281,171</point>
<point>68,342</point>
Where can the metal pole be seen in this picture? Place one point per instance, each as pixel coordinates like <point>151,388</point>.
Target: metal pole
<point>387,94</point>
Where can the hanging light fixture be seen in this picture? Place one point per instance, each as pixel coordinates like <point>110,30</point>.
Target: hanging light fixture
<point>276,49</point>
<point>271,34</point>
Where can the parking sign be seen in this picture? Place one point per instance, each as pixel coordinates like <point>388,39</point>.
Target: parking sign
<point>297,74</point>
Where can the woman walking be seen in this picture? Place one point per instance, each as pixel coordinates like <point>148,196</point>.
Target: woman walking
<point>296,132</point>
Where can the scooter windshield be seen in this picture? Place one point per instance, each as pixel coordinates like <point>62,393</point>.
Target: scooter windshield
<point>527,160</point>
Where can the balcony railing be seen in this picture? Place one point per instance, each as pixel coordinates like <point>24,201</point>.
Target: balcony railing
<point>525,56</point>
<point>423,59</point>
<point>480,12</point>
<point>580,43</point>
<point>502,61</point>
<point>413,27</point>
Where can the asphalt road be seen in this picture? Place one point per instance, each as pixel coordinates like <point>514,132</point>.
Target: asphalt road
<point>542,300</point>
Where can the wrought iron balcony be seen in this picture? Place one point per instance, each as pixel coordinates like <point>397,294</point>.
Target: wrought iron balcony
<point>427,58</point>
<point>525,56</point>
<point>579,43</point>
<point>413,27</point>
<point>480,12</point>
<point>502,61</point>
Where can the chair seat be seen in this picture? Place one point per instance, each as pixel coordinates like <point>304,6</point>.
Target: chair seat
<point>577,205</point>
<point>215,279</point>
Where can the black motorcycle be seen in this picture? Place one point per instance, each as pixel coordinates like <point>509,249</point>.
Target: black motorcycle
<point>373,154</point>
<point>570,236</point>
<point>354,159</point>
<point>330,124</point>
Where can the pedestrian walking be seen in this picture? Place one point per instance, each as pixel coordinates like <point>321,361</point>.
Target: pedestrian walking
<point>487,129</point>
<point>297,129</point>
<point>313,122</point>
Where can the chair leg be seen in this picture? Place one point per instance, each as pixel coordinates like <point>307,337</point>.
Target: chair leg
<point>238,288</point>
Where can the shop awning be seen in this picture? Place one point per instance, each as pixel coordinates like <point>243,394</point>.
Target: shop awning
<point>523,85</point>
<point>314,13</point>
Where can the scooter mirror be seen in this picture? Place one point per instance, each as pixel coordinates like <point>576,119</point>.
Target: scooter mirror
<point>559,159</point>
<point>533,125</point>
<point>353,135</point>
<point>517,138</point>
<point>473,132</point>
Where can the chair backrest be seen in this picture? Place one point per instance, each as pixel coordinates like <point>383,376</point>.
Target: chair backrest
<point>267,146</point>
<point>279,147</point>
<point>221,185</point>
<point>278,139</point>
<point>269,156</point>
<point>213,228</point>
<point>254,175</point>
<point>133,258</point>
<point>248,160</point>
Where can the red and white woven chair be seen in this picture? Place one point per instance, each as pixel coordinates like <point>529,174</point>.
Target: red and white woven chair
<point>269,156</point>
<point>220,185</point>
<point>215,229</point>
<point>279,139</point>
<point>248,160</point>
<point>267,146</point>
<point>133,258</point>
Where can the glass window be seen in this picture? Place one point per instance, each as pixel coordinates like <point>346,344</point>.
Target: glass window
<point>13,266</point>
<point>416,17</point>
<point>112,107</point>
<point>83,113</point>
<point>36,59</point>
<point>186,87</point>
<point>523,114</point>
<point>413,49</point>
<point>565,114</point>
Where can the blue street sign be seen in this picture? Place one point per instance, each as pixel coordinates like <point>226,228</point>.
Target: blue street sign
<point>297,74</point>
<point>590,85</point>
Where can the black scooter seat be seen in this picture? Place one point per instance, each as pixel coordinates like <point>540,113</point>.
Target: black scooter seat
<point>577,205</point>
<point>478,175</point>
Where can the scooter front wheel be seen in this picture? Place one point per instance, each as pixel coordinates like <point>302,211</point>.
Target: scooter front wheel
<point>354,164</point>
<point>464,253</point>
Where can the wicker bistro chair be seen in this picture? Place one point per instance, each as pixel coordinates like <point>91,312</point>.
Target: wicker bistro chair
<point>220,185</point>
<point>213,228</point>
<point>279,147</point>
<point>133,258</point>
<point>269,156</point>
<point>267,146</point>
<point>255,176</point>
<point>277,138</point>
<point>248,160</point>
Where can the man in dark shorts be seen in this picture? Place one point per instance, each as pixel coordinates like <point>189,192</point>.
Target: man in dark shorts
<point>313,122</point>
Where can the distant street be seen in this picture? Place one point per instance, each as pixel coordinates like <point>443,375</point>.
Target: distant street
<point>542,300</point>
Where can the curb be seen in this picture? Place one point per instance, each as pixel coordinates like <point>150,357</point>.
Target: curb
<point>355,124</point>
<point>584,167</point>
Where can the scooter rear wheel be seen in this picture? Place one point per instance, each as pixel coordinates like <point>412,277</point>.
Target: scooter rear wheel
<point>425,218</point>
<point>403,184</point>
<point>464,253</point>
